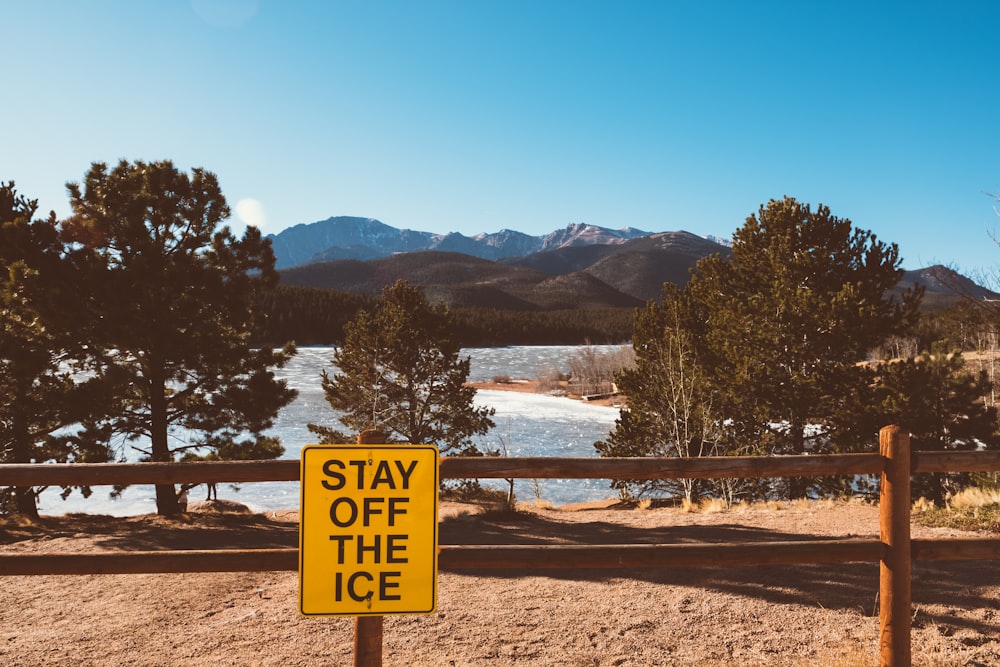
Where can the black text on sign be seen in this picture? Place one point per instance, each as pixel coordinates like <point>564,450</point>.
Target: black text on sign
<point>368,530</point>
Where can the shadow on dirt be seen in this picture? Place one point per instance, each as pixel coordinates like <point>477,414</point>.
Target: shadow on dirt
<point>197,530</point>
<point>953,584</point>
<point>945,585</point>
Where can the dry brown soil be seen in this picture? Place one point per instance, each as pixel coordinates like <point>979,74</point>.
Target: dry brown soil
<point>787,615</point>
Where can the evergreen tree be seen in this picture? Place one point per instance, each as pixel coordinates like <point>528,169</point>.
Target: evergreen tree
<point>760,351</point>
<point>399,372</point>
<point>47,413</point>
<point>176,294</point>
<point>800,301</point>
<point>937,399</point>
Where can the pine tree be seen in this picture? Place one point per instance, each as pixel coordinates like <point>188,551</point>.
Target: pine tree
<point>939,401</point>
<point>765,342</point>
<point>802,298</point>
<point>399,372</point>
<point>175,294</point>
<point>47,412</point>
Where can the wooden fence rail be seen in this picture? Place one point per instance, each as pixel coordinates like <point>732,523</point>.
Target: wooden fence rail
<point>894,549</point>
<point>511,557</point>
<point>533,467</point>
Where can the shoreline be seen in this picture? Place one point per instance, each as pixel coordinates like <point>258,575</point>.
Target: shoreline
<point>525,386</point>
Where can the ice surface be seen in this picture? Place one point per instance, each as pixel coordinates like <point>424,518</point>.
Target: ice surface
<point>527,424</point>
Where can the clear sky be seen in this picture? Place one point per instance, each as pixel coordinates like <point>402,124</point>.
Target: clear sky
<point>478,115</point>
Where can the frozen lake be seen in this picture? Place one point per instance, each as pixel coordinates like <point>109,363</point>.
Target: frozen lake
<point>528,424</point>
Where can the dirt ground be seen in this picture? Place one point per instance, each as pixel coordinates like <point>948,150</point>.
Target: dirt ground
<point>780,615</point>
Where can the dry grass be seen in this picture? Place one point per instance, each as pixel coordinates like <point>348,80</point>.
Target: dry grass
<point>713,505</point>
<point>818,504</point>
<point>762,506</point>
<point>973,508</point>
<point>922,504</point>
<point>974,497</point>
<point>717,505</point>
<point>704,506</point>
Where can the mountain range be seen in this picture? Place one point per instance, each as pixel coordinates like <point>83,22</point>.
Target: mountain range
<point>581,266</point>
<point>346,237</point>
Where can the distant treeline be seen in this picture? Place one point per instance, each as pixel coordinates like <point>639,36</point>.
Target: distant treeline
<point>305,315</point>
<point>316,316</point>
<point>484,327</point>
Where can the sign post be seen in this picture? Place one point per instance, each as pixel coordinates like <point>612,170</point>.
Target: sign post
<point>368,532</point>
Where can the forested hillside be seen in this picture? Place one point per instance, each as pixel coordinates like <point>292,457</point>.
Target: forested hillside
<point>307,316</point>
<point>314,316</point>
<point>568,295</point>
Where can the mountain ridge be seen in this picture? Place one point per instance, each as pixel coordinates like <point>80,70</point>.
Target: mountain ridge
<point>625,274</point>
<point>351,237</point>
<point>580,266</point>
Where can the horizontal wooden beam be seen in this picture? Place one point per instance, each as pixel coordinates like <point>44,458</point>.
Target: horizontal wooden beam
<point>526,557</point>
<point>533,467</point>
<point>148,562</point>
<point>536,467</point>
<point>193,472</point>
<point>976,548</point>
<point>660,468</point>
<point>458,557</point>
<point>982,461</point>
<point>630,556</point>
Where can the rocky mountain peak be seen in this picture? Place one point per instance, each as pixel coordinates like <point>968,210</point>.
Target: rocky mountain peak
<point>347,237</point>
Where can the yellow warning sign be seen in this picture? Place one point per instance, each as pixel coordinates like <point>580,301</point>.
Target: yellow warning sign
<point>368,530</point>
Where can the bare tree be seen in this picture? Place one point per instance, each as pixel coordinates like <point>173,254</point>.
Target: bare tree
<point>592,370</point>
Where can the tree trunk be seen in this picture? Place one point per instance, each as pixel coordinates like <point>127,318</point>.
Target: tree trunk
<point>24,496</point>
<point>797,486</point>
<point>166,495</point>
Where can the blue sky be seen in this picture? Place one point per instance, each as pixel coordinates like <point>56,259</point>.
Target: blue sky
<point>476,115</point>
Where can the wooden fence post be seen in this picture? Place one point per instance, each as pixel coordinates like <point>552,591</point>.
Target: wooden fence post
<point>368,629</point>
<point>367,641</point>
<point>894,568</point>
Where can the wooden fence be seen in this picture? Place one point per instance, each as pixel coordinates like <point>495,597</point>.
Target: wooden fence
<point>894,550</point>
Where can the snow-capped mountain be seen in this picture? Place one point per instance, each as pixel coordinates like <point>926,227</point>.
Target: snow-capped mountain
<point>345,237</point>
